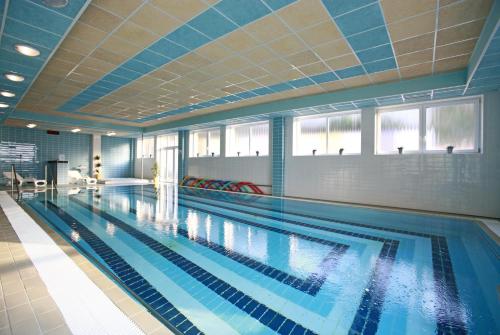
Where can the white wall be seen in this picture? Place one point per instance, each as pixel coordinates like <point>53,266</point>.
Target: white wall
<point>457,183</point>
<point>148,164</point>
<point>253,169</point>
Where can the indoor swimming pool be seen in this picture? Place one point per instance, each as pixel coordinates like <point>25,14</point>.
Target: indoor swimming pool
<point>206,262</point>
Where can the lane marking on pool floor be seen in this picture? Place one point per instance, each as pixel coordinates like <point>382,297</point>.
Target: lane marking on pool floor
<point>86,309</point>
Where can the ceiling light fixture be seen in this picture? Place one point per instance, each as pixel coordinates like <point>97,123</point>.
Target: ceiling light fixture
<point>27,50</point>
<point>7,94</point>
<point>76,130</point>
<point>111,133</point>
<point>14,77</point>
<point>56,3</point>
<point>31,125</point>
<point>3,105</point>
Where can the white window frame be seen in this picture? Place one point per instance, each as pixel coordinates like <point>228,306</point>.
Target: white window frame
<point>327,116</point>
<point>207,130</point>
<point>250,125</point>
<point>142,139</point>
<point>422,106</point>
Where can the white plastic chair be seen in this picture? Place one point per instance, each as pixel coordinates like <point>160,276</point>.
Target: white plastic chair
<point>21,180</point>
<point>76,177</point>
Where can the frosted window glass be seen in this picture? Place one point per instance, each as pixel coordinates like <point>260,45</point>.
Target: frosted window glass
<point>454,125</point>
<point>399,129</point>
<point>200,144</point>
<point>259,139</point>
<point>344,131</point>
<point>145,148</point>
<point>214,143</point>
<point>238,141</point>
<point>310,134</point>
<point>247,139</point>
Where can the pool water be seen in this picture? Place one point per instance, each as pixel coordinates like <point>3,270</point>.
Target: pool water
<point>206,262</point>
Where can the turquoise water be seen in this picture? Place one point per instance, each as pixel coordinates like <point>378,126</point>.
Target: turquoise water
<point>218,263</point>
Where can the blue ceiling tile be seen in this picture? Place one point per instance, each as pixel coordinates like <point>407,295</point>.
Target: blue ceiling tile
<point>339,7</point>
<point>9,42</point>
<point>30,34</point>
<point>232,98</point>
<point>277,4</point>
<point>125,73</point>
<point>324,77</point>
<point>369,39</point>
<point>187,37</point>
<point>212,24</point>
<point>168,49</point>
<point>115,79</point>
<point>361,20</point>
<point>350,72</point>
<point>18,68</point>
<point>246,95</point>
<point>242,11</point>
<point>14,57</point>
<point>301,82</point>
<point>374,54</point>
<point>151,58</point>
<point>70,10</point>
<point>38,16</point>
<point>381,65</point>
<point>137,66</point>
<point>262,91</point>
<point>281,87</point>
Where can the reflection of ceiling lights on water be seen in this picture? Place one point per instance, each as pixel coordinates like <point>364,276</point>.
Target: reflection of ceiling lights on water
<point>110,229</point>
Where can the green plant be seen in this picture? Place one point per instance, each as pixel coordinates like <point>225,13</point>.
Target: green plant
<point>155,170</point>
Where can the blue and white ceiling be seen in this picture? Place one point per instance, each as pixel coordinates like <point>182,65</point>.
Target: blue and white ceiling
<point>145,62</point>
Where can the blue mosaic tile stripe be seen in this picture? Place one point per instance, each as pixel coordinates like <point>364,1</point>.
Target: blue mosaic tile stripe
<point>444,277</point>
<point>450,318</point>
<point>311,285</point>
<point>117,157</point>
<point>200,30</point>
<point>255,309</point>
<point>183,154</point>
<point>128,275</point>
<point>368,314</point>
<point>373,296</point>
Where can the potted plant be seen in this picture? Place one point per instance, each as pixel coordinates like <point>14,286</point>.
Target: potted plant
<point>156,174</point>
<point>449,149</point>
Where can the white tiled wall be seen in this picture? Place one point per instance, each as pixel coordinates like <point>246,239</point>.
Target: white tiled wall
<point>457,183</point>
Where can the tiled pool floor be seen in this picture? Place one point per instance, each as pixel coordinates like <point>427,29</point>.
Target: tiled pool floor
<point>27,308</point>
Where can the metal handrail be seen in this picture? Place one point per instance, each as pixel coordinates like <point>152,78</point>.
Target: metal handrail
<point>13,175</point>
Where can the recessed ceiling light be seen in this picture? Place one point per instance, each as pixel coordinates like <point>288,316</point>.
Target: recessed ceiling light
<point>7,94</point>
<point>14,77</point>
<point>111,133</point>
<point>31,125</point>
<point>3,105</point>
<point>56,3</point>
<point>76,130</point>
<point>27,50</point>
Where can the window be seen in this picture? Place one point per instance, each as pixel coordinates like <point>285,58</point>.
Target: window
<point>251,139</point>
<point>399,128</point>
<point>456,125</point>
<point>450,125</point>
<point>145,147</point>
<point>204,143</point>
<point>165,141</point>
<point>331,134</point>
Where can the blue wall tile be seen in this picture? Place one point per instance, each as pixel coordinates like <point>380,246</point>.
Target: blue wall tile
<point>30,149</point>
<point>117,157</point>
<point>278,155</point>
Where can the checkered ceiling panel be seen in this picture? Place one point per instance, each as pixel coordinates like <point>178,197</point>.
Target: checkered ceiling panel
<point>35,24</point>
<point>146,61</point>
